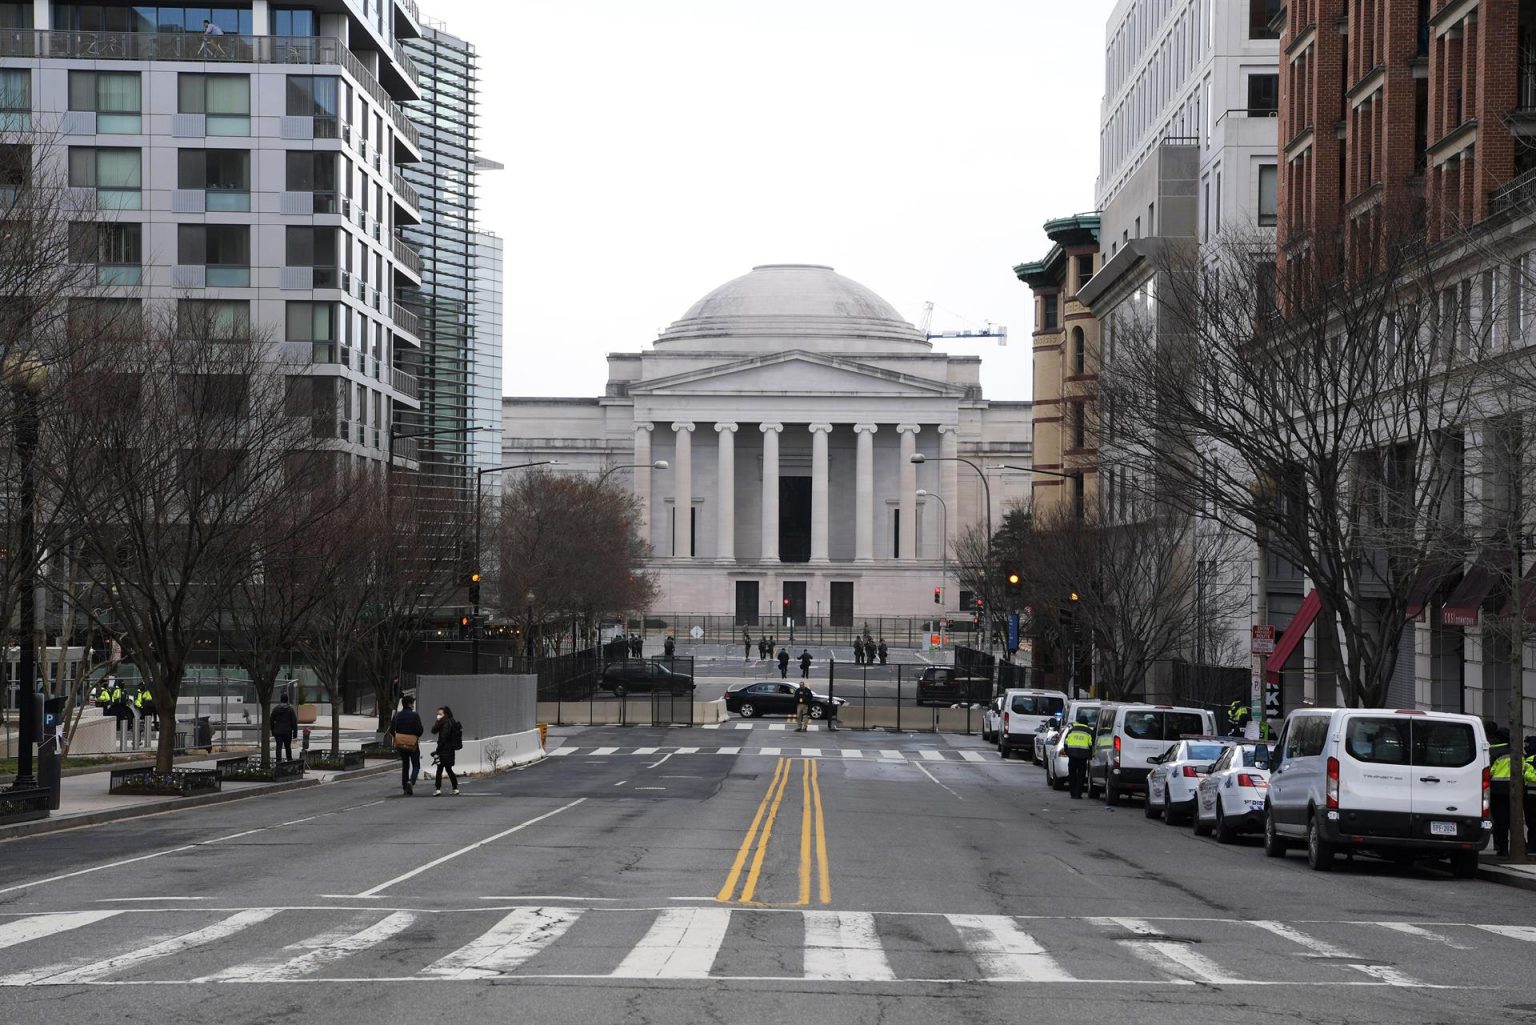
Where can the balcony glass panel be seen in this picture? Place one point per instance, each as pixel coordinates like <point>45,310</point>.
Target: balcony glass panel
<point>228,277</point>
<point>228,202</point>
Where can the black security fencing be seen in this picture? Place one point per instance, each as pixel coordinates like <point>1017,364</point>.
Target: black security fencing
<point>621,691</point>
<point>907,697</point>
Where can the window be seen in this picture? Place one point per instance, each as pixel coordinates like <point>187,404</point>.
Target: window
<point>1269,178</point>
<point>314,323</point>
<point>224,99</point>
<point>15,99</point>
<point>1029,704</point>
<point>1264,287</point>
<point>115,174</point>
<point>115,249</point>
<point>224,249</point>
<point>224,174</point>
<point>315,96</point>
<point>1260,14</point>
<point>1049,305</point>
<point>1079,425</point>
<point>1263,95</point>
<point>293,21</point>
<point>314,247</point>
<point>113,95</point>
<point>114,18</point>
<point>1079,351</point>
<point>213,320</point>
<point>309,171</point>
<point>15,172</point>
<point>109,318</point>
<point>1084,269</point>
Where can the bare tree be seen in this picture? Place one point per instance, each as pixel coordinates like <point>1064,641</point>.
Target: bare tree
<point>574,546</point>
<point>175,449</point>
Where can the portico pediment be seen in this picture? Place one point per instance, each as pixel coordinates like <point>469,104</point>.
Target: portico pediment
<point>795,372</point>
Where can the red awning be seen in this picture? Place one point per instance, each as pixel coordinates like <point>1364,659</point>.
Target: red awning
<point>1291,638</point>
<point>1435,578</point>
<point>1527,597</point>
<point>1464,605</point>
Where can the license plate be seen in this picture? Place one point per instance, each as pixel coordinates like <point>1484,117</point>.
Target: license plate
<point>1442,829</point>
<point>1255,805</point>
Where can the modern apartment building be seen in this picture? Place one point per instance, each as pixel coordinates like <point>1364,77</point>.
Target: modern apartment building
<point>487,385</point>
<point>251,169</point>
<point>1066,368</point>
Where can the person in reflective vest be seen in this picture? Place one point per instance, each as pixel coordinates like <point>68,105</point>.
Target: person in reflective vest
<point>1528,766</point>
<point>1077,743</point>
<point>1498,792</point>
<point>1237,714</point>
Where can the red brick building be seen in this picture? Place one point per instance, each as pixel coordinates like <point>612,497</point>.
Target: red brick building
<point>1396,117</point>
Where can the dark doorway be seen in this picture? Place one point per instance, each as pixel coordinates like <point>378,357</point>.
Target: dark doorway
<point>746,603</point>
<point>793,602</point>
<point>842,603</point>
<point>794,519</point>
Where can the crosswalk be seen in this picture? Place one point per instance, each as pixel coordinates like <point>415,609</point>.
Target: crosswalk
<point>180,946</point>
<point>847,754</point>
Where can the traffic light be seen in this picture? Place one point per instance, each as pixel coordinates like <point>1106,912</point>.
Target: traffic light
<point>980,605</point>
<point>1073,597</point>
<point>938,596</point>
<point>474,588</point>
<point>786,603</point>
<point>1013,579</point>
<point>463,627</point>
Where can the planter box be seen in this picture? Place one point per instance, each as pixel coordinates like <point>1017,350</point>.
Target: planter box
<point>176,783</point>
<point>343,762</point>
<point>23,805</point>
<point>379,751</point>
<point>252,772</point>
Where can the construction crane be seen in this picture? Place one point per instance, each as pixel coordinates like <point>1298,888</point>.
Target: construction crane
<point>990,330</point>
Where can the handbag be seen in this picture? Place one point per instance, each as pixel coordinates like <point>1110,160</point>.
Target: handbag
<point>406,741</point>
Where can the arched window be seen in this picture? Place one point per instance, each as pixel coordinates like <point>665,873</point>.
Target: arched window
<point>1079,352</point>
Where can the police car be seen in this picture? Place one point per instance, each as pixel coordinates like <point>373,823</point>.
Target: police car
<point>1177,772</point>
<point>1230,799</point>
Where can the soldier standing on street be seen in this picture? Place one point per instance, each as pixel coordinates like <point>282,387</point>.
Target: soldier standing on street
<point>746,645</point>
<point>883,650</point>
<point>858,652</point>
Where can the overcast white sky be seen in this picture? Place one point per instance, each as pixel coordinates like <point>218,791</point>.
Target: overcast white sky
<point>655,150</point>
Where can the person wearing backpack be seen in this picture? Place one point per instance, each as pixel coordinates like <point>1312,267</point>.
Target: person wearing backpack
<point>450,737</point>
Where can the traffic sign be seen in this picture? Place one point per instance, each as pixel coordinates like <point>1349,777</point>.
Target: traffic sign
<point>697,633</point>
<point>1272,706</point>
<point>1263,642</point>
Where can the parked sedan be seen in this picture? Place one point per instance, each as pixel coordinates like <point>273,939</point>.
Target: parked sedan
<point>1230,799</point>
<point>641,676</point>
<point>1046,734</point>
<point>992,720</point>
<point>754,699</point>
<point>1177,772</point>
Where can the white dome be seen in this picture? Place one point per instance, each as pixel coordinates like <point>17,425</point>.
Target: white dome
<point>793,305</point>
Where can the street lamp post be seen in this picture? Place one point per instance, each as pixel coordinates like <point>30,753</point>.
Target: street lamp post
<point>474,632</point>
<point>944,554</point>
<point>920,458</point>
<point>660,464</point>
<point>25,382</point>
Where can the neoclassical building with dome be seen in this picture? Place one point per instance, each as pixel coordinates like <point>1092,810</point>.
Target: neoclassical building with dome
<point>787,404</point>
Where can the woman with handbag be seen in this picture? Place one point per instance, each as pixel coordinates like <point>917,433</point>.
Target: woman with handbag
<point>408,729</point>
<point>450,737</point>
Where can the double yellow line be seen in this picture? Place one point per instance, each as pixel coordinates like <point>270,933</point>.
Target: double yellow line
<point>813,838</point>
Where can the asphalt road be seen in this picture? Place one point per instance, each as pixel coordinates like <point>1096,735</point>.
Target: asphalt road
<point>733,875</point>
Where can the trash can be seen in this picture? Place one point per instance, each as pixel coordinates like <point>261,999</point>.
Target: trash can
<point>195,732</point>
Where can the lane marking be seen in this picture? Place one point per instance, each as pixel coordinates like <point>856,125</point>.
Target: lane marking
<point>64,974</point>
<point>746,844</point>
<point>805,833</point>
<point>887,753</point>
<point>320,951</point>
<point>143,900</point>
<point>687,751</point>
<point>621,782</point>
<point>1005,952</point>
<point>546,896</point>
<point>972,756</point>
<point>413,873</point>
<point>646,750</point>
<point>1514,932</point>
<point>924,770</point>
<point>743,726</point>
<point>931,754</point>
<point>35,928</point>
<point>1315,947</point>
<point>754,873</point>
<point>780,726</point>
<point>729,751</point>
<point>681,944</point>
<point>1388,975</point>
<point>810,752</point>
<point>824,890</point>
<point>844,945</point>
<point>769,750</point>
<point>852,752</point>
<point>658,761</point>
<point>1176,958</point>
<point>605,751</point>
<point>561,752</point>
<point>507,945</point>
<point>1409,929</point>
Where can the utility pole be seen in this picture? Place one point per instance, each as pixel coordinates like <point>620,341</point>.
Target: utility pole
<point>1517,851</point>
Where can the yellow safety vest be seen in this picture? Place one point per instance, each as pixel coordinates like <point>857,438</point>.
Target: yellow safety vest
<point>1500,768</point>
<point>1078,738</point>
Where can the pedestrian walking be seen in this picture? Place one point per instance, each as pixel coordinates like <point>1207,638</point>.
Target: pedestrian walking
<point>407,728</point>
<point>668,648</point>
<point>285,725</point>
<point>805,664</point>
<point>746,646</point>
<point>883,651</point>
<point>803,701</point>
<point>639,646</point>
<point>450,737</point>
<point>783,663</point>
<point>1077,742</point>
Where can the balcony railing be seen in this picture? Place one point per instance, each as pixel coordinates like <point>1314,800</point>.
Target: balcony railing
<point>404,383</point>
<point>1527,80</point>
<point>195,46</point>
<point>411,9</point>
<point>407,65</point>
<point>1520,191</point>
<point>407,321</point>
<point>405,190</point>
<point>407,256</point>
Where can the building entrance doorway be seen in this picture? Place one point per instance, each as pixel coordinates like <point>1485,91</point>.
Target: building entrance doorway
<point>842,603</point>
<point>746,603</point>
<point>794,519</point>
<point>793,603</point>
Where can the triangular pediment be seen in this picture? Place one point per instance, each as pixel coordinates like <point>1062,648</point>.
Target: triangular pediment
<point>795,372</point>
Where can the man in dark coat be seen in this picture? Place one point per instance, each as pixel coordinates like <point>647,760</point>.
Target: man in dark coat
<point>783,663</point>
<point>883,650</point>
<point>285,726</point>
<point>407,723</point>
<point>805,664</point>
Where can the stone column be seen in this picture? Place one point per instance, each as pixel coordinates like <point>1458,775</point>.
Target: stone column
<point>642,479</point>
<point>682,490</point>
<point>864,494</point>
<point>949,487</point>
<point>770,545</point>
<point>819,433</point>
<point>725,519</point>
<point>908,496</point>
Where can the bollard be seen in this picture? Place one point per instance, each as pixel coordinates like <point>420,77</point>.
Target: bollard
<point>543,734</point>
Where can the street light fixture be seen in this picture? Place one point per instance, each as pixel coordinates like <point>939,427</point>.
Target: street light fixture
<point>943,530</point>
<point>474,633</point>
<point>660,464</point>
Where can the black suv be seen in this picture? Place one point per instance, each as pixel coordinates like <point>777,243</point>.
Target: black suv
<point>642,676</point>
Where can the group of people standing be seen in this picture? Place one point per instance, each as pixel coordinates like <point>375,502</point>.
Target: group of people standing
<point>1504,763</point>
<point>865,649</point>
<point>409,729</point>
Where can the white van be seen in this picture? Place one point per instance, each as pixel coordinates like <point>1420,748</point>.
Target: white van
<point>1056,768</point>
<point>1401,784</point>
<point>1128,738</point>
<point>1023,712</point>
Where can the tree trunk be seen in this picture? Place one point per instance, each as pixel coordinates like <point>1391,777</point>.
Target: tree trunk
<point>335,726</point>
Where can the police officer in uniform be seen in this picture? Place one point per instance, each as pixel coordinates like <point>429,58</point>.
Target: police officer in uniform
<point>1237,714</point>
<point>1077,742</point>
<point>1498,792</point>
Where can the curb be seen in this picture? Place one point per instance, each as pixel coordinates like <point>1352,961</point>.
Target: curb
<point>97,818</point>
<point>1505,877</point>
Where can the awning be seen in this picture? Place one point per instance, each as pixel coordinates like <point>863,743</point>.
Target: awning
<point>1435,578</point>
<point>1527,597</point>
<point>1292,636</point>
<point>1464,605</point>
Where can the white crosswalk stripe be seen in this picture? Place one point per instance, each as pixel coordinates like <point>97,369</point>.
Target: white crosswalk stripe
<point>722,944</point>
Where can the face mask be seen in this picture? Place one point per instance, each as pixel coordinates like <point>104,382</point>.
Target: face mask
<point>439,715</point>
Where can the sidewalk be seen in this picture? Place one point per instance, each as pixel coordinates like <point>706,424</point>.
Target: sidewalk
<point>84,800</point>
<point>1506,874</point>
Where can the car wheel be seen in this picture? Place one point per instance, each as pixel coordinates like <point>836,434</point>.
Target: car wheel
<point>1224,833</point>
<point>1464,864</point>
<point>1274,843</point>
<point>1169,818</point>
<point>818,711</point>
<point>1319,851</point>
<point>1002,750</point>
<point>1196,824</point>
<point>748,710</point>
